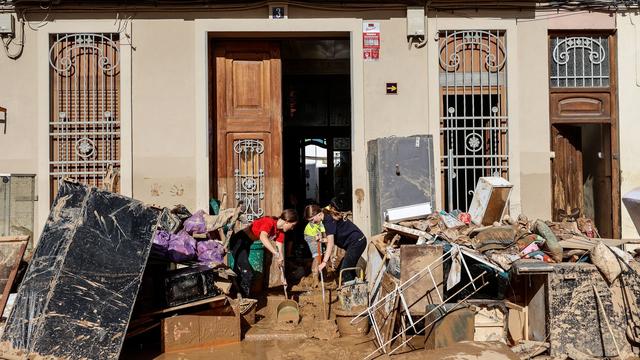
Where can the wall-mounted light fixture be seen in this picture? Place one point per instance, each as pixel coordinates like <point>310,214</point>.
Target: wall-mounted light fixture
<point>416,26</point>
<point>3,118</point>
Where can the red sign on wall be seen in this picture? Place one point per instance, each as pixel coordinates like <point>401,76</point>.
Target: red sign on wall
<point>371,41</point>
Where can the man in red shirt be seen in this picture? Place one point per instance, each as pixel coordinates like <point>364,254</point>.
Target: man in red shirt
<point>265,229</point>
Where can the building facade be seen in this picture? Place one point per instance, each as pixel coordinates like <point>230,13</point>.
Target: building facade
<point>274,104</point>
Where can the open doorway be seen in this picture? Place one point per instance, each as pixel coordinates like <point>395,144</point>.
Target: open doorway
<point>280,126</point>
<point>316,123</point>
<point>582,182</point>
<point>316,116</point>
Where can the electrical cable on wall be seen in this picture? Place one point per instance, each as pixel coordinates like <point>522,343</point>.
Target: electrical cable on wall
<point>20,44</point>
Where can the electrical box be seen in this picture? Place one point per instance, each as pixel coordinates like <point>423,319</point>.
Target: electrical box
<point>401,173</point>
<point>7,24</point>
<point>17,196</point>
<point>415,21</point>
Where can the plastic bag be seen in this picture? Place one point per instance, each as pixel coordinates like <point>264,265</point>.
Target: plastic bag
<point>162,238</point>
<point>210,251</point>
<point>196,223</point>
<point>182,247</point>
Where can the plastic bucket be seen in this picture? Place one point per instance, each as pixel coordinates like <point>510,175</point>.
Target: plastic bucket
<point>346,328</point>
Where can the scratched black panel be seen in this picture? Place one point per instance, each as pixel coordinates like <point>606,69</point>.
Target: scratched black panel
<point>45,265</point>
<point>90,294</point>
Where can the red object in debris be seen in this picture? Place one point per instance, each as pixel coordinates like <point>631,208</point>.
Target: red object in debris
<point>465,218</point>
<point>546,258</point>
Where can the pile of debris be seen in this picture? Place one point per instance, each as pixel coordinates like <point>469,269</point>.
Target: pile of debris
<point>482,275</point>
<point>109,268</point>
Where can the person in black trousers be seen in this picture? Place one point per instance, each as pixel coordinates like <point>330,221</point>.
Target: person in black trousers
<point>340,232</point>
<point>265,229</point>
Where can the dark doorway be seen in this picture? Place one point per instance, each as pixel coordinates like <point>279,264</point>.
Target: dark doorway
<point>316,123</point>
<point>582,183</point>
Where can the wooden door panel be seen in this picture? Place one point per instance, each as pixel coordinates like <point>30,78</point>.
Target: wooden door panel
<point>248,126</point>
<point>251,177</point>
<point>249,84</point>
<point>566,171</point>
<point>580,107</point>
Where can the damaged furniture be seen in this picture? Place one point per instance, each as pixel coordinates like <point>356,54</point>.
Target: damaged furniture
<point>78,292</point>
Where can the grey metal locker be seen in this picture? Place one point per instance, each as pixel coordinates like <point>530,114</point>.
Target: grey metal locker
<point>400,174</point>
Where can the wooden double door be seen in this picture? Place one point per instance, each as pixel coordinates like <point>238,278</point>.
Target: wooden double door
<point>246,123</point>
<point>584,129</point>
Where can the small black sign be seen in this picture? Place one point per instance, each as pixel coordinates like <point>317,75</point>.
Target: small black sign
<point>392,88</point>
<point>278,12</point>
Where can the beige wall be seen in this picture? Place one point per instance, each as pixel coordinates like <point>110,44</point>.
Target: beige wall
<point>163,107</point>
<point>629,115</point>
<point>165,97</point>
<point>18,89</point>
<point>534,140</point>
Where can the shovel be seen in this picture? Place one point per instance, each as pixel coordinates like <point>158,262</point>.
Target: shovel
<point>324,306</point>
<point>288,310</point>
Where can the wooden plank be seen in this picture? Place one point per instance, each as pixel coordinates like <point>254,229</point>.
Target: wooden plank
<point>406,231</point>
<point>11,253</point>
<point>4,239</point>
<point>186,306</point>
<point>385,315</point>
<point>413,259</point>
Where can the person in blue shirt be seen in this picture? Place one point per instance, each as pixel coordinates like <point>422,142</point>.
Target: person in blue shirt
<point>341,233</point>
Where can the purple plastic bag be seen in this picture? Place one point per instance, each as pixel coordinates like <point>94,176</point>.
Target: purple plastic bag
<point>162,239</point>
<point>160,243</point>
<point>196,224</point>
<point>182,247</point>
<point>210,251</point>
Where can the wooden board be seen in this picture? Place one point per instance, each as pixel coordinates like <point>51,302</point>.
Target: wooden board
<point>385,315</point>
<point>413,259</point>
<point>77,295</point>
<point>11,253</point>
<point>192,331</point>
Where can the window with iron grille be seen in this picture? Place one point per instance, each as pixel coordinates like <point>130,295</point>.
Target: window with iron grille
<point>474,121</point>
<point>84,126</point>
<point>579,61</point>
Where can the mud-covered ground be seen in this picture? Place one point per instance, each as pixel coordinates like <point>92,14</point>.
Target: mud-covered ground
<point>317,338</point>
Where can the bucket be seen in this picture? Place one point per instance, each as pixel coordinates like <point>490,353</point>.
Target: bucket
<point>346,328</point>
<point>256,260</point>
<point>288,312</point>
<point>353,293</point>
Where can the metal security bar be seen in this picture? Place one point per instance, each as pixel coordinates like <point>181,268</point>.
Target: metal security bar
<point>248,173</point>
<point>84,127</point>
<point>474,118</point>
<point>579,61</point>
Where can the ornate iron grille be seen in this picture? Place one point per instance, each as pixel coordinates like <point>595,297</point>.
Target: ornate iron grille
<point>248,172</point>
<point>579,61</point>
<point>84,127</point>
<point>473,122</point>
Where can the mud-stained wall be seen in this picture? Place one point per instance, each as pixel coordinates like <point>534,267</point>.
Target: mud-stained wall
<point>628,31</point>
<point>163,110</point>
<point>535,177</point>
<point>166,98</point>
